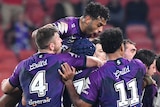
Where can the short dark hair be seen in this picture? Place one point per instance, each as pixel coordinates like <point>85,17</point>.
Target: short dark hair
<point>111,40</point>
<point>146,56</point>
<point>95,9</point>
<point>43,37</point>
<point>158,63</point>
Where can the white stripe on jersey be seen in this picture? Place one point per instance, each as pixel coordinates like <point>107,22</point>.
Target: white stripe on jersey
<point>62,27</point>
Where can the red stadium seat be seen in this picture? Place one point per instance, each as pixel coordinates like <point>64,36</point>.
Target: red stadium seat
<point>7,54</point>
<point>33,3</point>
<point>107,26</point>
<point>155,28</point>
<point>153,3</point>
<point>144,43</point>
<point>6,69</point>
<point>36,15</point>
<point>135,36</point>
<point>124,2</point>
<point>50,5</point>
<point>154,14</point>
<point>136,28</point>
<point>136,31</point>
<point>104,2</point>
<point>138,34</point>
<point>25,54</point>
<point>157,44</point>
<point>1,36</point>
<point>8,66</point>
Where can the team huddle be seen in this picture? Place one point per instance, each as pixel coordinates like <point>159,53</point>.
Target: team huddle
<point>80,64</point>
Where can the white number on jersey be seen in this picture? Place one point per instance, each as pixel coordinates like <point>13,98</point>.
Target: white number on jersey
<point>38,84</point>
<point>123,101</point>
<point>78,84</point>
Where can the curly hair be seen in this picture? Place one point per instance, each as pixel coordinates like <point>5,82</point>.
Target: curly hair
<point>95,10</point>
<point>111,40</point>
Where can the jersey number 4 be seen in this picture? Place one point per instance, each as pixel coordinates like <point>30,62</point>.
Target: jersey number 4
<point>38,84</point>
<point>124,101</point>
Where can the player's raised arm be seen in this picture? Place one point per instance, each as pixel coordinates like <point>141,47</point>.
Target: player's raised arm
<point>45,26</point>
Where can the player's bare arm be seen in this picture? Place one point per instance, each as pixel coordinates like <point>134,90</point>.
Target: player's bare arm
<point>6,87</point>
<point>45,26</point>
<point>93,61</point>
<point>10,100</point>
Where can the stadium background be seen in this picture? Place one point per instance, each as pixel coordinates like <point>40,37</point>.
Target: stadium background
<point>40,12</point>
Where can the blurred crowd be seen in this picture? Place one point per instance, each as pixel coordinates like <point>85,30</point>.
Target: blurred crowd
<point>20,17</point>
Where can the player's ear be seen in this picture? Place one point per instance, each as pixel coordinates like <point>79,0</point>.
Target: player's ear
<point>122,48</point>
<point>51,46</point>
<point>34,33</point>
<point>87,19</point>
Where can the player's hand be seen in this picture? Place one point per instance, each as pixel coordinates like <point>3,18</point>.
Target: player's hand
<point>34,33</point>
<point>3,82</point>
<point>67,72</point>
<point>100,62</point>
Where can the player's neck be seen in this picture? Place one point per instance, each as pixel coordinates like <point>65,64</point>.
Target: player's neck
<point>46,51</point>
<point>114,56</point>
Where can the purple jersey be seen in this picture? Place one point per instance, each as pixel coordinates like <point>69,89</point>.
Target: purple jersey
<point>79,82</point>
<point>39,78</point>
<point>150,92</point>
<point>116,84</point>
<point>69,31</point>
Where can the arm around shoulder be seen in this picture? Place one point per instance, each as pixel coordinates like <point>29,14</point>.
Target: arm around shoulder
<point>93,62</point>
<point>45,26</point>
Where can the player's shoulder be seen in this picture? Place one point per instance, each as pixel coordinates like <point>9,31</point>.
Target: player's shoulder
<point>137,62</point>
<point>72,18</point>
<point>68,19</point>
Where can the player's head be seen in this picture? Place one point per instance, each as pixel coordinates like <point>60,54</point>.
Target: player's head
<point>112,40</point>
<point>158,63</point>
<point>48,39</point>
<point>129,49</point>
<point>99,53</point>
<point>94,18</point>
<point>148,58</point>
<point>83,47</point>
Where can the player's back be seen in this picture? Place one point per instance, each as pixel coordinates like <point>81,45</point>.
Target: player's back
<point>123,81</point>
<point>40,80</point>
<point>118,84</point>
